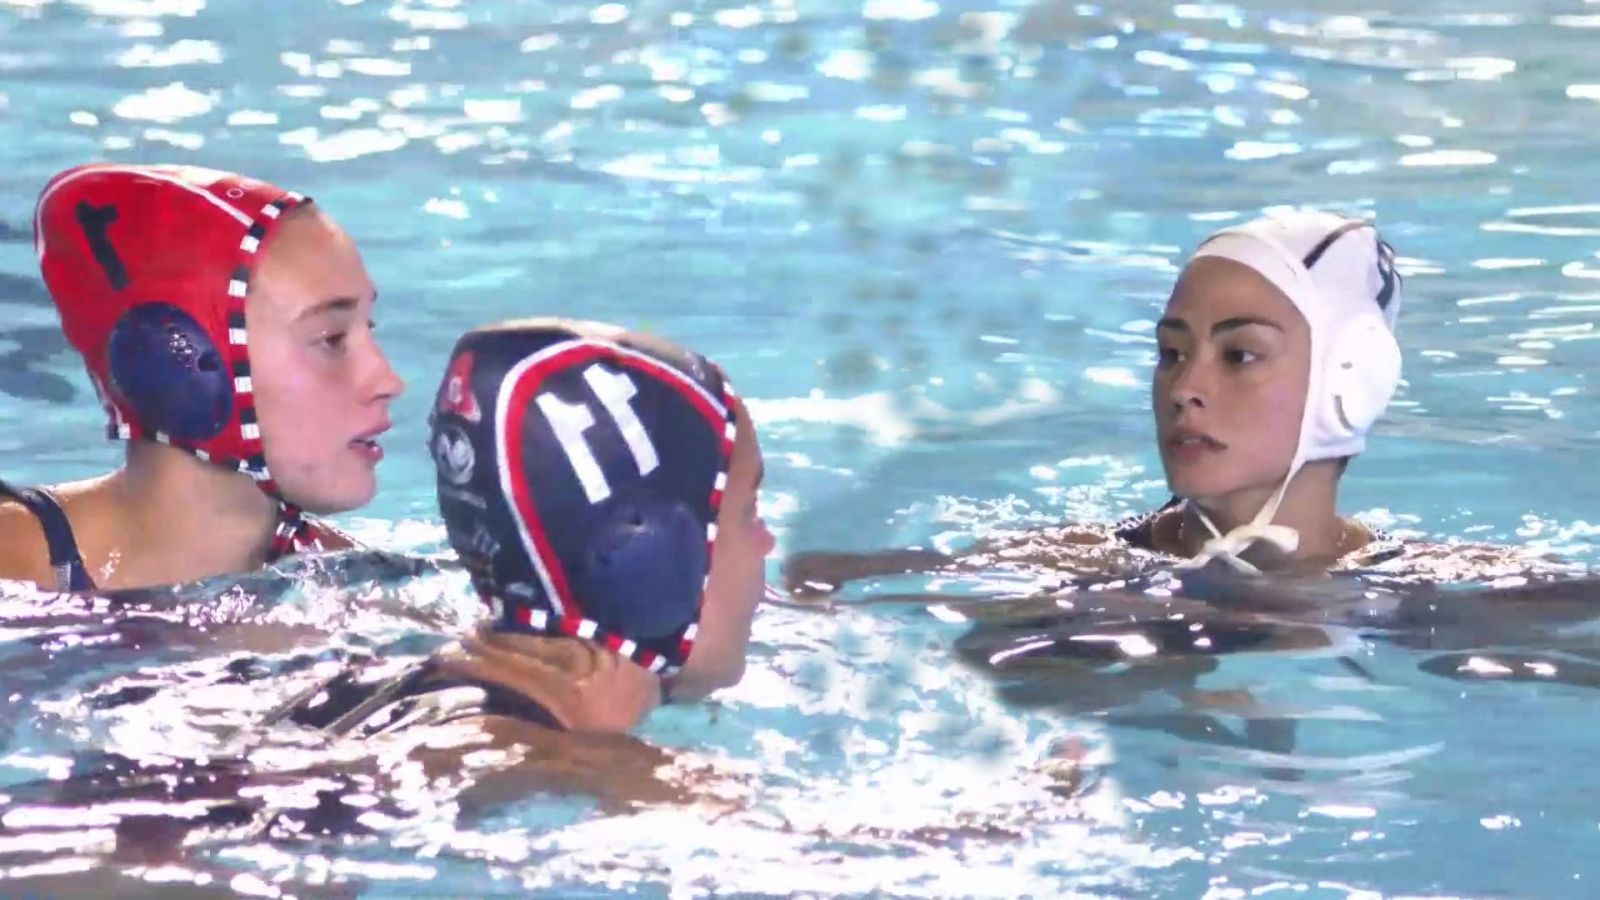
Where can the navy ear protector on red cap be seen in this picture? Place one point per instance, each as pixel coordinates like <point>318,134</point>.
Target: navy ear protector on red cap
<point>164,364</point>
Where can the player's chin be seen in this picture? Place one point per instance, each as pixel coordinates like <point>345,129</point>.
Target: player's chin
<point>338,492</point>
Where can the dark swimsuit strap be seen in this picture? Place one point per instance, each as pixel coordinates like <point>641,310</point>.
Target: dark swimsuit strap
<point>349,703</point>
<point>1139,531</point>
<point>64,556</point>
<point>502,701</point>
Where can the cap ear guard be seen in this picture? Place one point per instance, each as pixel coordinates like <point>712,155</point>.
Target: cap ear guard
<point>1361,368</point>
<point>644,567</point>
<point>1361,373</point>
<point>164,365</point>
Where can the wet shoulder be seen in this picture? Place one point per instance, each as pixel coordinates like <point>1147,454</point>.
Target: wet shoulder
<point>24,554</point>
<point>1450,561</point>
<point>1154,531</point>
<point>1077,549</point>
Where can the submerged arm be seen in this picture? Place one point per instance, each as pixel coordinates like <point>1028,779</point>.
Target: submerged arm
<point>1076,550</point>
<point>817,573</point>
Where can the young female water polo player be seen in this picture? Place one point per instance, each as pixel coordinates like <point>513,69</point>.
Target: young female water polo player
<point>226,327</point>
<point>1277,354</point>
<point>600,487</point>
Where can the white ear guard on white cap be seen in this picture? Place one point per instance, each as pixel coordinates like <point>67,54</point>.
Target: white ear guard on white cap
<point>1340,275</point>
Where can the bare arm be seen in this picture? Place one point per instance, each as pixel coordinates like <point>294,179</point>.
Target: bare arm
<point>823,572</point>
<point>622,772</point>
<point>1077,550</point>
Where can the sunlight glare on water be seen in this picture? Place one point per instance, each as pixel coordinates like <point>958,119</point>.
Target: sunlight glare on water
<point>929,241</point>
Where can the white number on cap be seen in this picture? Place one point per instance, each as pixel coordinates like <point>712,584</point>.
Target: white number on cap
<point>571,420</point>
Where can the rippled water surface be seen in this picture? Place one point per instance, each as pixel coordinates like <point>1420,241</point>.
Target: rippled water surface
<point>929,241</point>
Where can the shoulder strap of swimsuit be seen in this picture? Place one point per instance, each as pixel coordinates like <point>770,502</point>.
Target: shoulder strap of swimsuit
<point>501,701</point>
<point>64,556</point>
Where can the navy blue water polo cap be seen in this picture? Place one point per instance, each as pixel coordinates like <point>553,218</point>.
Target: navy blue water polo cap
<point>580,469</point>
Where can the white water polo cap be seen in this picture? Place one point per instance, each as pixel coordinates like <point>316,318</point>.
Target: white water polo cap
<point>1340,274</point>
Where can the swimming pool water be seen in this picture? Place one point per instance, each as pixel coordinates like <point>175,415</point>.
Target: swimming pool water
<point>929,241</point>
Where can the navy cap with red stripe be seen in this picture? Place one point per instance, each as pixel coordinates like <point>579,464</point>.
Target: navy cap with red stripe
<point>580,470</point>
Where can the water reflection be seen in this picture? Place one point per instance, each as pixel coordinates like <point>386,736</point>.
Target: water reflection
<point>953,217</point>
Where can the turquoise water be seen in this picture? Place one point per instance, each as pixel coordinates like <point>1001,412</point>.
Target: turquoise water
<point>929,241</point>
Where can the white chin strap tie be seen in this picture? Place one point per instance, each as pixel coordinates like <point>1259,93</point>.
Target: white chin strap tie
<point>1229,547</point>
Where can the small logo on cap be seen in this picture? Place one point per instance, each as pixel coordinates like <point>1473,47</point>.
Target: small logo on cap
<point>452,454</point>
<point>455,395</point>
<point>481,543</point>
<point>200,176</point>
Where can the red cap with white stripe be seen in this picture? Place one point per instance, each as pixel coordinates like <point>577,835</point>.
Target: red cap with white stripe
<point>184,240</point>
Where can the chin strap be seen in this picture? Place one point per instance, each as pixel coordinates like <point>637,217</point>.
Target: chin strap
<point>294,534</point>
<point>1228,547</point>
